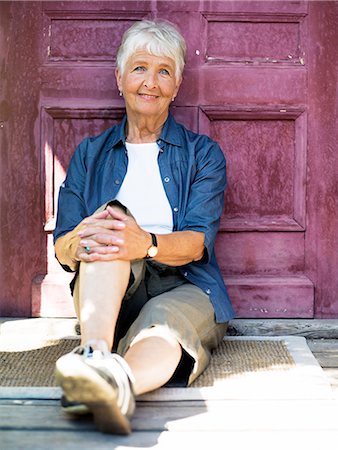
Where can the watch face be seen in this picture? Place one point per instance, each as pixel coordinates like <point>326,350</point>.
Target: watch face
<point>152,251</point>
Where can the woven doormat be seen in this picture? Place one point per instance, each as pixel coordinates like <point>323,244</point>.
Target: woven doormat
<point>255,368</point>
<point>241,367</point>
<point>31,362</point>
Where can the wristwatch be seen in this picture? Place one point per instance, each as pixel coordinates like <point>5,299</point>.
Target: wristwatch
<point>153,249</point>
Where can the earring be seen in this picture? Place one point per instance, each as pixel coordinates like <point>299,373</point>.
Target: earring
<point>173,99</point>
<point>120,93</point>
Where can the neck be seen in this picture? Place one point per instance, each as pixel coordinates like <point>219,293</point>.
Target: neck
<point>144,129</point>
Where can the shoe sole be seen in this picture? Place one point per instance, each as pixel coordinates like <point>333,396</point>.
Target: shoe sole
<point>78,409</point>
<point>83,384</point>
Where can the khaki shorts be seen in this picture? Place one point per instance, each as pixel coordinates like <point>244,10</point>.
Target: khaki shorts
<point>158,295</point>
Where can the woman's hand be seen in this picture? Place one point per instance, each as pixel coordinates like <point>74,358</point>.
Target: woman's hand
<point>111,235</point>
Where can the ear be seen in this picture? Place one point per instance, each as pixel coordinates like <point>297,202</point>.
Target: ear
<point>118,77</point>
<point>178,84</point>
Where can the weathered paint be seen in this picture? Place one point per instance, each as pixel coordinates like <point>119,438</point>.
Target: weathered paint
<point>23,251</point>
<point>260,78</point>
<point>321,238</point>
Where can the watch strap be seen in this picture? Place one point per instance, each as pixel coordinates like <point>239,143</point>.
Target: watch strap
<point>153,244</point>
<point>153,239</point>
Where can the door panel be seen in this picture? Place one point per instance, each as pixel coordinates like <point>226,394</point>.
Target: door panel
<point>266,152</point>
<point>250,253</point>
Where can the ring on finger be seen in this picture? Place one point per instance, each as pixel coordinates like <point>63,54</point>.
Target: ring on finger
<point>87,249</point>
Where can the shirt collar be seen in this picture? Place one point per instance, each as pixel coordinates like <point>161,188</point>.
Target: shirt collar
<point>170,134</point>
<point>119,134</point>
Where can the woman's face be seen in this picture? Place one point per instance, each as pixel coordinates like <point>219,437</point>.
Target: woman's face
<point>148,84</point>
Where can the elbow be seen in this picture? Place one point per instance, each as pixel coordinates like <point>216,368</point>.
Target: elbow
<point>199,246</point>
<point>65,253</point>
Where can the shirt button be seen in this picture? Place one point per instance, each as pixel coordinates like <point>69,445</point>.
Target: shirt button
<point>117,181</point>
<point>167,179</point>
<point>176,209</point>
<point>208,291</point>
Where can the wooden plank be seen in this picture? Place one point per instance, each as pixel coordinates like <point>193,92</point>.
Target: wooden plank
<point>31,402</point>
<point>314,328</point>
<point>325,351</point>
<point>332,374</point>
<point>71,440</point>
<point>26,415</point>
<point>241,415</point>
<point>215,416</point>
<point>30,393</point>
<point>44,327</point>
<point>318,345</point>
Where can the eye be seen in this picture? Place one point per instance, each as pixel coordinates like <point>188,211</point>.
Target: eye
<point>164,72</point>
<point>139,69</point>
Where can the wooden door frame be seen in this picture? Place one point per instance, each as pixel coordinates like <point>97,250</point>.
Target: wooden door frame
<point>321,238</point>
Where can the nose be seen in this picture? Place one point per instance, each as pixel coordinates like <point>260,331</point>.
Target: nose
<point>150,80</point>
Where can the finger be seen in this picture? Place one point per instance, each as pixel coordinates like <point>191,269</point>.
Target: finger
<point>101,239</point>
<point>102,250</point>
<point>94,217</point>
<point>117,213</point>
<point>107,223</point>
<point>106,250</point>
<point>91,257</point>
<point>99,227</point>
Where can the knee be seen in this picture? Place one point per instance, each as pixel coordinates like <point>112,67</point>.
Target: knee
<point>103,267</point>
<point>158,332</point>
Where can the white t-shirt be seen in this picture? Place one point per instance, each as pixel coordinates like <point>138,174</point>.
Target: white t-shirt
<point>142,190</point>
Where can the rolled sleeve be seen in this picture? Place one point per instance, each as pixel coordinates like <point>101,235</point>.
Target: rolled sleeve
<point>71,211</point>
<point>71,205</point>
<point>206,196</point>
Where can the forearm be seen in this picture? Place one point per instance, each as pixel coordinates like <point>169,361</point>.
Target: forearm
<point>180,248</point>
<point>66,247</point>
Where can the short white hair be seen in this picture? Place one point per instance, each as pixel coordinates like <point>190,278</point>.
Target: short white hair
<point>159,38</point>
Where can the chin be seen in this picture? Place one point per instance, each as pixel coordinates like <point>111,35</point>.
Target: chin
<point>148,111</point>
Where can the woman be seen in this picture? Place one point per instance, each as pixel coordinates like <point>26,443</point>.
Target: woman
<point>137,219</point>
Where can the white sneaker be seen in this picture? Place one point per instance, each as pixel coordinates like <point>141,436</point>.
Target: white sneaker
<point>100,381</point>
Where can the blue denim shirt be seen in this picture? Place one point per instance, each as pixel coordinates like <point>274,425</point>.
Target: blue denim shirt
<point>193,171</point>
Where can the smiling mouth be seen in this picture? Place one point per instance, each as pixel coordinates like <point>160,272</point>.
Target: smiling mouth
<point>148,96</point>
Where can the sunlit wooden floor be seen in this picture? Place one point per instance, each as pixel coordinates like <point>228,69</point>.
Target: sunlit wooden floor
<point>294,424</point>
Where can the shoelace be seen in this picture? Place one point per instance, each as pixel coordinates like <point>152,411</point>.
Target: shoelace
<point>99,347</point>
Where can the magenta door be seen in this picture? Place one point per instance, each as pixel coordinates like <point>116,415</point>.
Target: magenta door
<point>260,79</point>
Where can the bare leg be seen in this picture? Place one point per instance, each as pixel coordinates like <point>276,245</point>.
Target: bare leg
<point>102,286</point>
<point>153,358</point>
